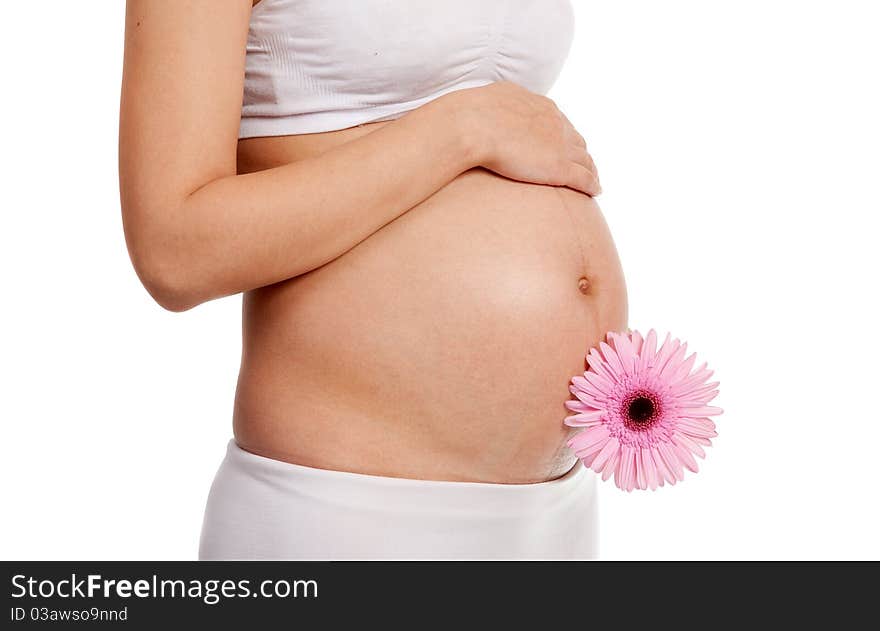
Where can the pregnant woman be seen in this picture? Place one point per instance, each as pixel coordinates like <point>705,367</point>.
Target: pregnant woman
<point>423,265</point>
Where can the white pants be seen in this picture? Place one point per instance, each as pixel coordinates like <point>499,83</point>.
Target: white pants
<point>260,508</point>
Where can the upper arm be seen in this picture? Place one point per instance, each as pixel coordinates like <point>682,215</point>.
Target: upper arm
<point>180,106</point>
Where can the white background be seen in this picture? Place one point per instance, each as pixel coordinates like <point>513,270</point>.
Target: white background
<point>738,148</point>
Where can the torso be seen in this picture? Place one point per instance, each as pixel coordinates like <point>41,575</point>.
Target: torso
<point>441,346</point>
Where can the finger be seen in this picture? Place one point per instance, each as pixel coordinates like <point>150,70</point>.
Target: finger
<point>577,139</point>
<point>582,179</point>
<point>577,154</point>
<point>573,133</point>
<point>592,167</point>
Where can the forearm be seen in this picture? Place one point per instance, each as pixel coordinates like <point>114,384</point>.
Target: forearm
<point>245,231</point>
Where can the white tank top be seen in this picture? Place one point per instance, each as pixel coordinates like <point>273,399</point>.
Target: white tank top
<point>321,65</point>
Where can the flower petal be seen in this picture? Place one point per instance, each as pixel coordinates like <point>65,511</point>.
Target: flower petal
<point>697,398</point>
<point>585,419</point>
<point>586,388</point>
<point>696,389</point>
<point>637,341</point>
<point>687,458</point>
<point>604,456</point>
<point>587,458</point>
<point>611,357</point>
<point>702,427</point>
<point>598,365</point>
<point>648,351</point>
<point>651,475</point>
<point>603,369</point>
<point>611,465</point>
<point>666,349</point>
<point>591,414</point>
<point>641,473</point>
<point>691,445</point>
<point>697,377</point>
<point>625,474</point>
<point>587,398</point>
<point>662,470</point>
<point>626,352</point>
<point>579,382</point>
<point>697,411</point>
<point>671,460</point>
<point>684,368</point>
<point>590,436</point>
<point>675,360</point>
<point>576,405</point>
<point>599,383</point>
<point>589,452</point>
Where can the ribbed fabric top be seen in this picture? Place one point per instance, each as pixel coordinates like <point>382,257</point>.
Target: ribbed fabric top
<point>322,65</point>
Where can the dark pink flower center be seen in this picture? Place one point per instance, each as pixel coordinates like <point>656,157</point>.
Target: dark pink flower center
<point>641,410</point>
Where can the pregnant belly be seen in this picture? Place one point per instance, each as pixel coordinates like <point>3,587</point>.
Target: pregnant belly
<point>440,347</point>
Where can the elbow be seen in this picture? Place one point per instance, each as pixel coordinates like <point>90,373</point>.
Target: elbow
<point>171,296</point>
<point>167,278</point>
<point>168,287</point>
<point>173,259</point>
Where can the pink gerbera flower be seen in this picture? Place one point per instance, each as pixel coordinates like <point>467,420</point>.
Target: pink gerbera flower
<point>643,412</point>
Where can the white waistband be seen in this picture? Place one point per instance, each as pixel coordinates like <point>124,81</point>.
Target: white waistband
<point>434,495</point>
<point>265,508</point>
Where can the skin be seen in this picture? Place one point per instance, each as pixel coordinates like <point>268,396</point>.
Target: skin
<point>413,294</point>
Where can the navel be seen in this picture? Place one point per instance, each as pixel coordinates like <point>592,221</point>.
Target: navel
<point>584,285</point>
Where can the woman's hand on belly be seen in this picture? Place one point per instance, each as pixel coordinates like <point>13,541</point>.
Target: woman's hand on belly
<point>524,136</point>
